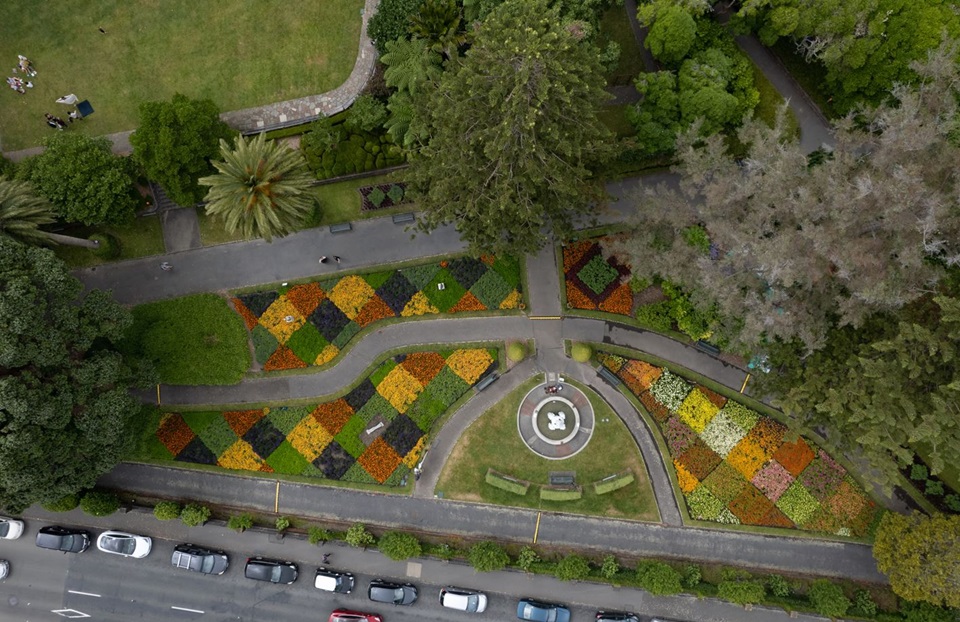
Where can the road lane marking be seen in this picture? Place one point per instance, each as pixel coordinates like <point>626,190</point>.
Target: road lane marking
<point>276,500</point>
<point>536,531</point>
<point>84,593</point>
<point>745,383</point>
<point>544,317</point>
<point>185,609</point>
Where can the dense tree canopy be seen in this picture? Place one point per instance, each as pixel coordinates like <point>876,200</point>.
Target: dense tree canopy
<point>175,142</point>
<point>512,131</point>
<point>921,556</point>
<point>671,35</point>
<point>66,415</point>
<point>391,21</point>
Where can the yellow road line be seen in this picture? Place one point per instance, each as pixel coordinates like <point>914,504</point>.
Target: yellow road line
<point>158,395</point>
<point>276,500</point>
<point>545,317</point>
<point>536,531</point>
<point>745,383</point>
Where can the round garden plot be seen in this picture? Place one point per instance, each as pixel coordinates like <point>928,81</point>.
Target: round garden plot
<point>555,425</point>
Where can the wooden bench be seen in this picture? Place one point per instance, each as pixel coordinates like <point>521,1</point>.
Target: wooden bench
<point>609,376</point>
<point>563,478</point>
<point>707,347</point>
<point>341,227</point>
<point>401,219</point>
<point>486,382</point>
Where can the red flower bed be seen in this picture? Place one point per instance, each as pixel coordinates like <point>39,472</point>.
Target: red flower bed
<point>242,420</point>
<point>750,506</point>
<point>715,398</point>
<point>174,433</point>
<point>655,408</point>
<point>620,301</point>
<point>700,460</point>
<point>469,302</point>
<point>573,253</point>
<point>424,366</point>
<point>577,299</point>
<point>794,457</point>
<point>768,434</point>
<point>306,297</point>
<point>375,309</point>
<point>379,460</point>
<point>333,415</point>
<point>249,317</point>
<point>283,358</point>
<point>776,518</point>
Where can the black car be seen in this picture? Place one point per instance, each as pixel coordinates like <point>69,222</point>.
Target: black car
<point>199,559</point>
<point>271,570</point>
<point>381,591</point>
<point>617,616</point>
<point>63,539</point>
<point>333,581</point>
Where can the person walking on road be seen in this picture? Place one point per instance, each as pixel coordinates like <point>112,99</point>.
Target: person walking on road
<point>165,266</point>
<point>323,259</point>
<point>336,259</point>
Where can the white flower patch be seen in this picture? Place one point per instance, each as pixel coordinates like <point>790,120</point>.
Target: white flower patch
<point>722,434</point>
<point>727,517</point>
<point>670,390</point>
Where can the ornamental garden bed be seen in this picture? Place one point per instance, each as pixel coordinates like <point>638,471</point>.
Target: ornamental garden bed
<point>382,196</point>
<point>374,434</point>
<point>735,466</point>
<point>309,324</point>
<point>931,487</point>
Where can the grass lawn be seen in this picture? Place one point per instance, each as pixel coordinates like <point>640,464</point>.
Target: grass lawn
<point>615,26</point>
<point>770,101</point>
<point>140,238</point>
<point>240,54</point>
<point>493,442</point>
<point>194,340</point>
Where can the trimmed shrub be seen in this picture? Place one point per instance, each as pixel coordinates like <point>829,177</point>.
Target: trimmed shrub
<point>502,482</point>
<point>527,558</point>
<point>376,197</point>
<point>952,501</point>
<point>656,316</point>
<point>97,503</point>
<point>240,522</point>
<point>316,535</point>
<point>581,352</point>
<point>778,586</point>
<point>638,283</point>
<point>828,599</point>
<point>748,592</point>
<point>398,545</point>
<point>109,245</point>
<point>166,510</point>
<point>444,551</point>
<point>359,537</point>
<point>572,568</point>
<point>560,494</point>
<point>396,193</point>
<point>604,487</point>
<point>934,488</point>
<point>864,604</point>
<point>516,351</point>
<point>691,576</point>
<point>282,524</point>
<point>919,472</point>
<point>658,578</point>
<point>194,515</point>
<point>610,567</point>
<point>64,504</point>
<point>488,556</point>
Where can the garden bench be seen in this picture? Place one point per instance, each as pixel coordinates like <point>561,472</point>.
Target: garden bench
<point>709,348</point>
<point>563,478</point>
<point>341,227</point>
<point>400,219</point>
<point>608,375</point>
<point>486,382</point>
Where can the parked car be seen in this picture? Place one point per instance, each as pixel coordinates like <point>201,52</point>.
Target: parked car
<point>333,581</point>
<point>381,591</point>
<point>63,539</point>
<point>463,600</point>
<point>529,609</point>
<point>272,570</point>
<point>617,616</point>
<point>123,543</point>
<point>10,528</point>
<point>345,615</point>
<point>4,569</point>
<point>199,559</point>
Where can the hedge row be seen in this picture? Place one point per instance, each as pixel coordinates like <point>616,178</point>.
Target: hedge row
<point>498,480</point>
<point>605,486</point>
<point>560,494</point>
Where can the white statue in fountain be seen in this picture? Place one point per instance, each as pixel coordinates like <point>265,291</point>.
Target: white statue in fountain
<point>558,421</point>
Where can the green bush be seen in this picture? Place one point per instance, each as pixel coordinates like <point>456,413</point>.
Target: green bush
<point>109,245</point>
<point>527,558</point>
<point>919,472</point>
<point>696,237</point>
<point>282,524</point>
<point>656,316</point>
<point>828,599</point>
<point>934,488</point>
<point>778,586</point>
<point>500,481</point>
<point>610,567</point>
<point>488,556</point>
<point>399,546</point>
<point>638,284</point>
<point>572,568</point>
<point>166,510</point>
<point>359,537</point>
<point>516,351</point>
<point>604,487</point>
<point>748,592</point>
<point>581,352</point>
<point>240,522</point>
<point>194,514</point>
<point>864,604</point>
<point>396,193</point>
<point>376,197</point>
<point>316,535</point>
<point>444,551</point>
<point>97,503</point>
<point>691,576</point>
<point>658,578</point>
<point>952,501</point>
<point>560,494</point>
<point>64,504</point>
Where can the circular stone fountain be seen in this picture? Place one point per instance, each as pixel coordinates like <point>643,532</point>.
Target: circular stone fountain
<point>555,425</point>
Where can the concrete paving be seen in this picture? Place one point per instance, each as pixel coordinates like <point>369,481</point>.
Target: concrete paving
<point>181,229</point>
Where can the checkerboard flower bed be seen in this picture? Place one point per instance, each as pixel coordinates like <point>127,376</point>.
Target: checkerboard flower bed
<point>595,282</point>
<point>406,394</point>
<point>309,324</point>
<point>734,465</point>
<point>382,196</point>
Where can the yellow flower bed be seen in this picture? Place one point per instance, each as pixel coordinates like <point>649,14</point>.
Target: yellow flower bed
<point>685,478</point>
<point>512,301</point>
<point>413,456</point>
<point>309,438</point>
<point>240,457</point>
<point>697,411</point>
<point>400,388</point>
<point>419,305</point>
<point>469,364</point>
<point>328,353</point>
<point>274,319</point>
<point>350,294</point>
<point>747,457</point>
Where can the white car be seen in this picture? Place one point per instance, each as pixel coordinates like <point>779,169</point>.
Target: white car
<point>10,528</point>
<point>463,600</point>
<point>126,544</point>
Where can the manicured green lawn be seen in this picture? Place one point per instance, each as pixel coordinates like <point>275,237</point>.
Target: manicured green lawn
<point>140,238</point>
<point>195,340</point>
<point>615,26</point>
<point>493,442</point>
<point>240,54</point>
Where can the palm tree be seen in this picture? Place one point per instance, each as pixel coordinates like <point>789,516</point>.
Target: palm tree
<point>262,188</point>
<point>440,22</point>
<point>22,213</point>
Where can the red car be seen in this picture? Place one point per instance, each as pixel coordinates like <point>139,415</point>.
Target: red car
<point>345,615</point>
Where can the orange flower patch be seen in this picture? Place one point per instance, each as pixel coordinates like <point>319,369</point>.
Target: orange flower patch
<point>265,468</point>
<point>350,294</point>
<point>488,259</point>
<point>275,319</point>
<point>240,457</point>
<point>424,366</point>
<point>574,252</point>
<point>620,300</point>
<point>747,457</point>
<point>775,518</point>
<point>794,457</point>
<point>174,433</point>
<point>242,420</point>
<point>655,408</point>
<point>400,388</point>
<point>306,297</point>
<point>639,375</point>
<point>333,415</point>
<point>718,400</point>
<point>469,302</point>
<point>375,309</point>
<point>469,364</point>
<point>283,358</point>
<point>685,478</point>
<point>768,434</point>
<point>577,299</point>
<point>309,438</point>
<point>249,318</point>
<point>379,460</point>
